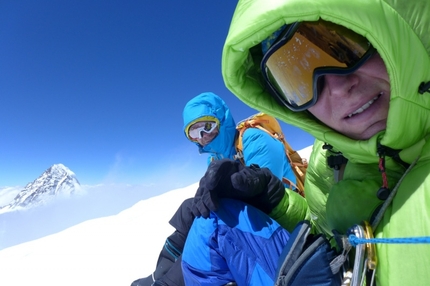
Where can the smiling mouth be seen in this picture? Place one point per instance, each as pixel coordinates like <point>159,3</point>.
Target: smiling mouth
<point>365,106</point>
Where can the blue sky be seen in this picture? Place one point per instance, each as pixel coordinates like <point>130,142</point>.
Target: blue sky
<point>99,86</point>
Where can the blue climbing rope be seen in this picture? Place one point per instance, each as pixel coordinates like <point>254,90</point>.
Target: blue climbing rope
<point>354,240</point>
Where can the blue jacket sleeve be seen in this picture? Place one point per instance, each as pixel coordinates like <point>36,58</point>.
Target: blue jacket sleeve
<point>262,149</point>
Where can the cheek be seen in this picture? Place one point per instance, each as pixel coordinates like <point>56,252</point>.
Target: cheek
<point>213,135</point>
<point>313,110</point>
<point>320,111</point>
<point>375,67</point>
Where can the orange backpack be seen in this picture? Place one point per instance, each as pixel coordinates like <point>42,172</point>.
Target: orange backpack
<point>270,125</point>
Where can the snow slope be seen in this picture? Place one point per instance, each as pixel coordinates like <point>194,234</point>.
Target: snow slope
<point>108,251</point>
<point>113,250</point>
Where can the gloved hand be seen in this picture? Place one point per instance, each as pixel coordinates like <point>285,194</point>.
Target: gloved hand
<point>230,179</point>
<point>214,184</point>
<point>258,187</point>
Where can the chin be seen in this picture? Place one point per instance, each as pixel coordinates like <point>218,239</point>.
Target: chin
<point>370,132</point>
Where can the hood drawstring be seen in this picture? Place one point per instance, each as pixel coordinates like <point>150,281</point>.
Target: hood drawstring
<point>384,190</point>
<point>377,216</point>
<point>383,151</point>
<point>335,161</point>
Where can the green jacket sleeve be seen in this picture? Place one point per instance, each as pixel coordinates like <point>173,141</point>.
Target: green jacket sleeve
<point>291,209</point>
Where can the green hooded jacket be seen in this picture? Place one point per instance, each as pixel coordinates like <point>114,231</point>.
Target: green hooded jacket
<point>399,30</point>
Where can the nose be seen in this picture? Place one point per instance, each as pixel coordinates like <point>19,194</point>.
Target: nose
<point>203,134</point>
<point>206,137</point>
<point>339,85</point>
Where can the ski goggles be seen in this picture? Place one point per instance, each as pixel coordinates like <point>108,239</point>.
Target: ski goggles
<point>195,130</point>
<point>295,64</point>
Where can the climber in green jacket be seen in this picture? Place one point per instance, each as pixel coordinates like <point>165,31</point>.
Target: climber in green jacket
<point>355,75</point>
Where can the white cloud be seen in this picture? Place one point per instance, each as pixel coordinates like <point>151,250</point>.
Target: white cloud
<point>7,194</point>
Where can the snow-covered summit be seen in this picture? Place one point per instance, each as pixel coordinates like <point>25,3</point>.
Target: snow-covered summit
<point>56,180</point>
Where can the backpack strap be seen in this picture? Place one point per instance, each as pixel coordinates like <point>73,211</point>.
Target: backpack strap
<point>256,123</point>
<point>239,140</point>
<point>294,187</point>
<point>309,259</point>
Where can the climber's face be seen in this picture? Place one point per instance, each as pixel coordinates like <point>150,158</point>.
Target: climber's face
<point>356,104</point>
<point>331,71</point>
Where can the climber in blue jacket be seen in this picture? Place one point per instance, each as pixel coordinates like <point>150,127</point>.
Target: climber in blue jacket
<point>209,124</point>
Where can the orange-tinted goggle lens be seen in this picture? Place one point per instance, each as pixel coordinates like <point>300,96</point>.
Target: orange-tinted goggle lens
<point>306,51</point>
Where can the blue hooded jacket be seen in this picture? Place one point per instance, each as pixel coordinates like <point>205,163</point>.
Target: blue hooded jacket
<point>258,147</point>
<point>210,104</point>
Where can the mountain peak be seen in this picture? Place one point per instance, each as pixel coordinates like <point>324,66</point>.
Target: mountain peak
<point>56,180</point>
<point>60,169</point>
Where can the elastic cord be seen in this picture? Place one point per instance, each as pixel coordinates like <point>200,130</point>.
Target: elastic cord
<point>354,240</point>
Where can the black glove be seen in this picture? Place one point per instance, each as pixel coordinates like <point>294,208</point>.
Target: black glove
<point>258,187</point>
<point>213,185</point>
<point>230,179</point>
